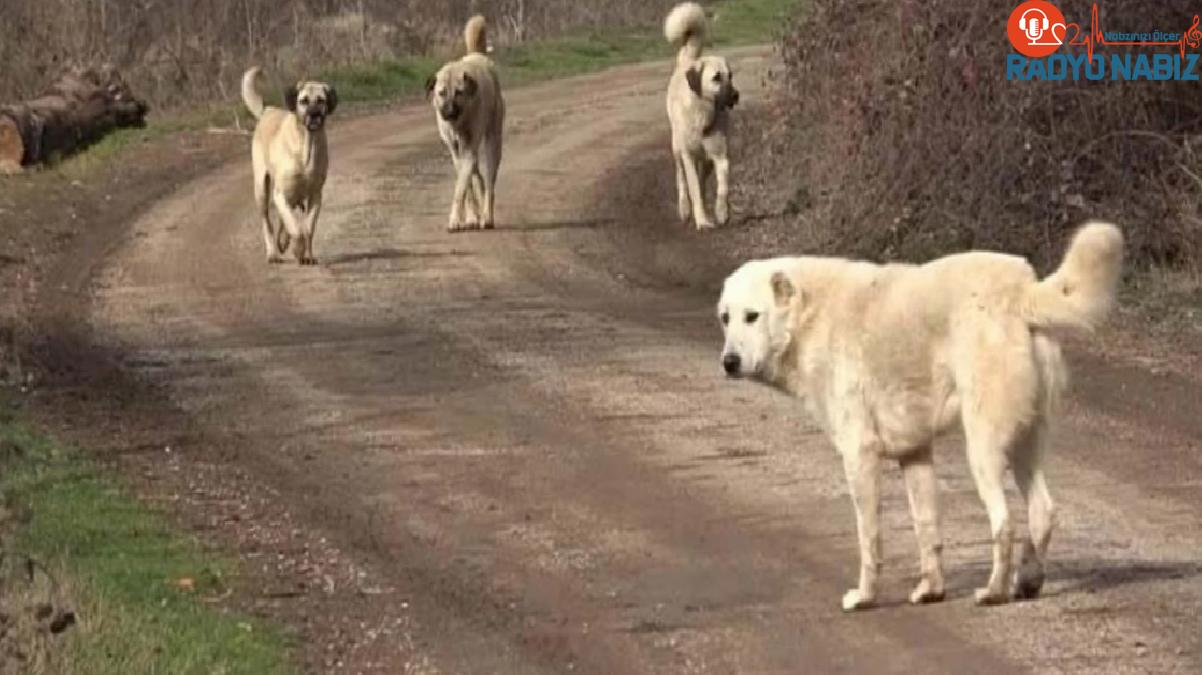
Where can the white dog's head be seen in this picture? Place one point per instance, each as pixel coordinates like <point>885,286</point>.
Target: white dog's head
<point>710,78</point>
<point>756,310</point>
<point>452,90</point>
<point>312,102</point>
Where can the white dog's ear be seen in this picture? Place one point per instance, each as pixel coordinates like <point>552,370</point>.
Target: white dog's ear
<point>430,82</point>
<point>783,290</point>
<point>469,85</point>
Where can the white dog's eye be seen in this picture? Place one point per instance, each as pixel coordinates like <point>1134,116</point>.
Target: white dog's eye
<point>717,77</point>
<point>752,317</point>
<point>304,101</point>
<point>725,318</point>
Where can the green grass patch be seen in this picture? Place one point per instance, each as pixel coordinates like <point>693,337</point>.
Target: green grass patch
<point>739,22</point>
<point>747,22</point>
<point>123,565</point>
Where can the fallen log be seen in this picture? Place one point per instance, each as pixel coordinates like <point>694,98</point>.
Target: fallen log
<point>78,109</point>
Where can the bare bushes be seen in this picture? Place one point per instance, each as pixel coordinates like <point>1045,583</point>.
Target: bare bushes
<point>180,52</point>
<point>903,138</point>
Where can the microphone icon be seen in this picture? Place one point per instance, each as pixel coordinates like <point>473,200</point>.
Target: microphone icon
<point>1033,28</point>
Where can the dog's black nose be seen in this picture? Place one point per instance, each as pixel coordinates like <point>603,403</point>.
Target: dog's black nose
<point>731,363</point>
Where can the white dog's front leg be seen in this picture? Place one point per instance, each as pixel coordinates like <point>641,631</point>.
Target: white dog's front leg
<point>722,200</point>
<point>465,166</point>
<point>861,462</point>
<point>683,208</point>
<point>694,183</point>
<point>295,233</point>
<point>311,231</point>
<point>475,201</point>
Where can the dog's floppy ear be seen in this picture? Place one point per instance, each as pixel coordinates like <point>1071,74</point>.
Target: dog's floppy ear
<point>469,85</point>
<point>430,82</point>
<point>290,96</point>
<point>694,77</point>
<point>331,100</point>
<point>783,290</point>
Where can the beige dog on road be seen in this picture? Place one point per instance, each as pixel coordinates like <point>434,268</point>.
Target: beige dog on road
<point>290,160</point>
<point>887,357</point>
<point>470,111</point>
<point>700,96</point>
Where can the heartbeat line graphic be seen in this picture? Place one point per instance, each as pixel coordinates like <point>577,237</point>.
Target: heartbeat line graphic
<point>1191,38</point>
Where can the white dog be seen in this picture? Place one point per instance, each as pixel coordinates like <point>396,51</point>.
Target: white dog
<point>700,96</point>
<point>466,95</point>
<point>887,357</point>
<point>290,159</point>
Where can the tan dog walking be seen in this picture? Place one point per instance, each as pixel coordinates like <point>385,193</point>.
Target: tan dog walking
<point>290,159</point>
<point>700,96</point>
<point>470,113</point>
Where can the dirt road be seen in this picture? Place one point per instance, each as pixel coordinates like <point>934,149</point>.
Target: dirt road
<point>522,443</point>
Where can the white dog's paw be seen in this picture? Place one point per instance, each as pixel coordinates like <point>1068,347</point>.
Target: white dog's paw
<point>987,596</point>
<point>704,225</point>
<point>924,593</point>
<point>853,600</point>
<point>684,211</point>
<point>722,213</point>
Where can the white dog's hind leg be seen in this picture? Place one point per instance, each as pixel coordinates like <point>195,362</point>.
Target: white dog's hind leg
<point>490,165</point>
<point>722,198</point>
<point>987,449</point>
<point>1041,512</point>
<point>693,179</point>
<point>921,488</point>
<point>862,463</point>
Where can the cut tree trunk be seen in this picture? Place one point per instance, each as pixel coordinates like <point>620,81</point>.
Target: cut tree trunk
<point>78,109</point>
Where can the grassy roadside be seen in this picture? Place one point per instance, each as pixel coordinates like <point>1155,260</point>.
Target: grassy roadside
<point>738,22</point>
<point>136,589</point>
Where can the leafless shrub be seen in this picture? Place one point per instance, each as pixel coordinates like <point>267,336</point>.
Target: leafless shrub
<point>907,140</point>
<point>180,52</point>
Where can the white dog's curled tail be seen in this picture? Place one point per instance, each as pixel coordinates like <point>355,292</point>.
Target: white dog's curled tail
<point>250,91</point>
<point>475,35</point>
<point>1081,292</point>
<point>685,27</point>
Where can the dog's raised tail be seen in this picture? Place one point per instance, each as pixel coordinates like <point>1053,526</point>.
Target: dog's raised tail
<point>475,35</point>
<point>250,91</point>
<point>685,27</point>
<point>1081,292</point>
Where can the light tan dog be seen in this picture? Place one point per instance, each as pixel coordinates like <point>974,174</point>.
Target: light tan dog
<point>700,96</point>
<point>290,159</point>
<point>470,111</point>
<point>888,357</point>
